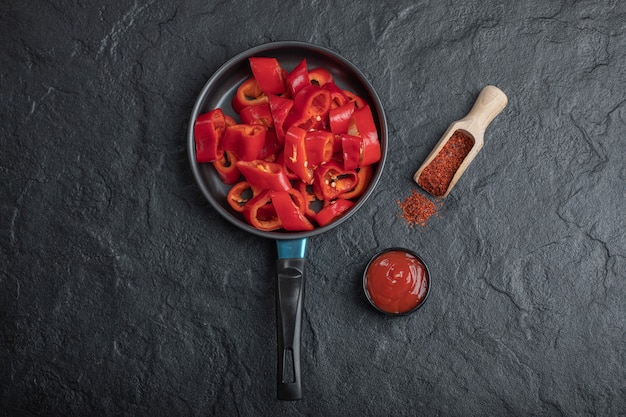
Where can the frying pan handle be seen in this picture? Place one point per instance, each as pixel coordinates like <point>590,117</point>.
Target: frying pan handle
<point>289,298</point>
<point>290,280</point>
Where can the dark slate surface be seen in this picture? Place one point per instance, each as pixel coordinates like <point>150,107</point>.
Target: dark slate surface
<point>122,292</point>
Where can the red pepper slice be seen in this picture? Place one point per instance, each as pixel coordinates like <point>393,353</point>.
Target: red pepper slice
<point>259,114</point>
<point>364,175</point>
<point>291,217</point>
<point>245,141</point>
<point>332,211</point>
<point>271,148</point>
<point>310,108</point>
<point>357,100</point>
<point>230,121</point>
<point>337,151</point>
<point>332,180</point>
<point>265,175</point>
<point>362,124</point>
<point>337,95</point>
<point>226,168</point>
<point>298,198</point>
<point>267,212</point>
<point>240,194</point>
<point>280,108</point>
<point>298,78</point>
<point>311,202</point>
<point>339,118</point>
<point>208,131</point>
<point>280,159</point>
<point>269,74</point>
<point>260,213</point>
<point>248,94</point>
<point>319,147</point>
<point>320,76</point>
<point>351,147</point>
<point>295,157</point>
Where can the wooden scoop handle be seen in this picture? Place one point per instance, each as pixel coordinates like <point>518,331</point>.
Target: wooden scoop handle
<point>490,102</point>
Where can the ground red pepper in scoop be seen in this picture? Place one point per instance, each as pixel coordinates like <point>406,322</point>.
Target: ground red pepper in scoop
<point>436,177</point>
<point>460,144</point>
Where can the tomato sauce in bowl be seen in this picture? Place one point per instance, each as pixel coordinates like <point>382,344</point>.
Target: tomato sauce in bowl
<point>396,281</point>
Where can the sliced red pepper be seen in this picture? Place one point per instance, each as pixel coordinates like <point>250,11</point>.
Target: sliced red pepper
<point>226,168</point>
<point>265,175</point>
<point>291,217</point>
<point>280,108</point>
<point>271,148</point>
<point>248,94</point>
<point>311,202</point>
<point>208,131</point>
<point>298,78</point>
<point>240,194</point>
<point>337,151</point>
<point>357,100</point>
<point>351,147</point>
<point>298,198</point>
<point>295,156</point>
<point>310,108</point>
<point>362,124</point>
<point>269,74</point>
<point>332,180</point>
<point>229,120</point>
<point>339,118</point>
<point>320,76</point>
<point>280,159</point>
<point>364,175</point>
<point>267,211</point>
<point>337,95</point>
<point>259,114</point>
<point>319,147</point>
<point>327,157</point>
<point>260,213</point>
<point>332,211</point>
<point>245,141</point>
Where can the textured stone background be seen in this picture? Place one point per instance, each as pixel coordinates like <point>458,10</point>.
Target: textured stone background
<point>122,292</point>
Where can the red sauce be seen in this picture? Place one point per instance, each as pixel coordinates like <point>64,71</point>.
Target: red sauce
<point>396,281</point>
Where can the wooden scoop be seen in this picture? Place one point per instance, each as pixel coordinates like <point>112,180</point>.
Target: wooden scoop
<point>488,105</point>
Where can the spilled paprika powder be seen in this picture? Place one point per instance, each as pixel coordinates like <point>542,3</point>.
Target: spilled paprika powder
<point>417,209</point>
<point>436,177</point>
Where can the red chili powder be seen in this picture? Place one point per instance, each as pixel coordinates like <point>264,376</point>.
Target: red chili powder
<point>417,209</point>
<point>436,177</point>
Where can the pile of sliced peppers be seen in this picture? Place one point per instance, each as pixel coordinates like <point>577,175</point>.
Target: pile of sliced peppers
<point>302,152</point>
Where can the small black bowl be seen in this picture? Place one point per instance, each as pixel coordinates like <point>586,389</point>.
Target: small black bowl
<point>407,252</point>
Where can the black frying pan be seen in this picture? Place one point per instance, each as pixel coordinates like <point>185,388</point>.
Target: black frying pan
<point>291,246</point>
